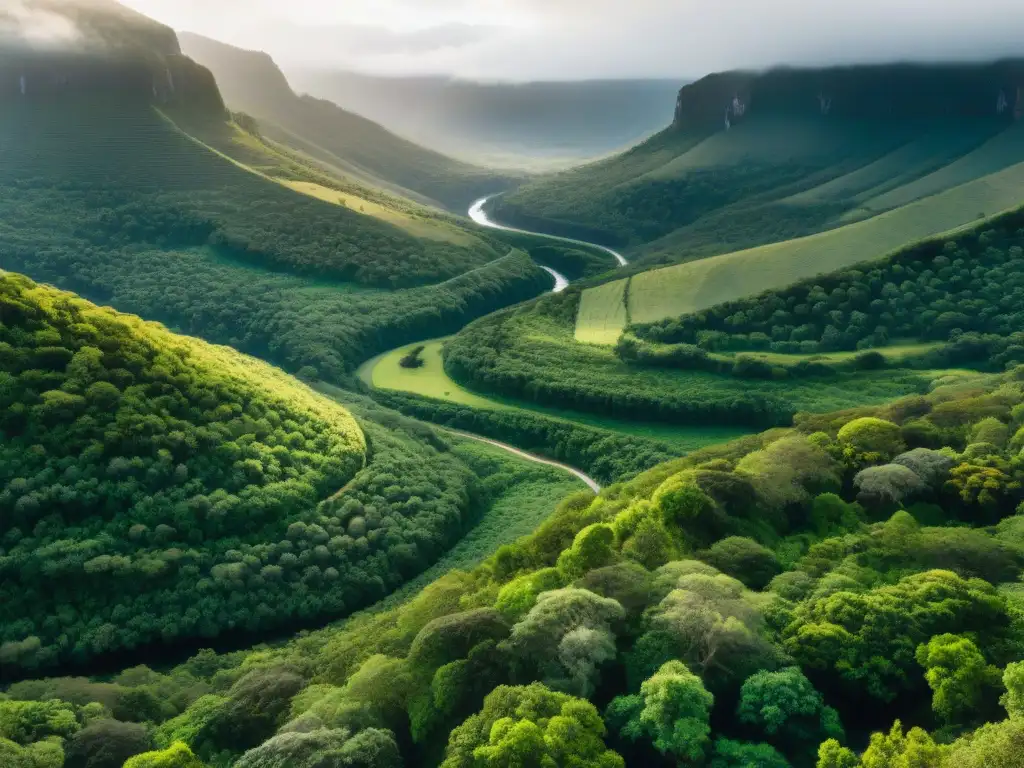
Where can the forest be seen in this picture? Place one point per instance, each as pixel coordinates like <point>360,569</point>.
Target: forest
<point>842,593</point>
<point>158,491</point>
<point>135,244</point>
<point>963,291</point>
<point>140,181</point>
<point>529,353</point>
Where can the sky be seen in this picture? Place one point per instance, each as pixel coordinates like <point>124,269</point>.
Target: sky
<point>578,39</point>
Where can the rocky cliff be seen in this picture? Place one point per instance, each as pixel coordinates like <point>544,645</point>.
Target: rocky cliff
<point>97,50</point>
<point>896,91</point>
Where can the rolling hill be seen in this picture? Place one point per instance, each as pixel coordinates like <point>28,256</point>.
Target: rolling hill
<point>507,123</point>
<point>251,82</point>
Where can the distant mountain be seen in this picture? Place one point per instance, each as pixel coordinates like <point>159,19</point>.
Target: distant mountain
<point>252,83</point>
<point>552,120</point>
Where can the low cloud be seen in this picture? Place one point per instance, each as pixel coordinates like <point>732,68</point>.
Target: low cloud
<point>36,25</point>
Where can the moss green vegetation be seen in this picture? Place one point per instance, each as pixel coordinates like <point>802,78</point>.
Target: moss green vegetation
<point>158,490</point>
<point>123,208</point>
<point>430,380</point>
<point>529,353</point>
<point>136,463</point>
<point>820,596</point>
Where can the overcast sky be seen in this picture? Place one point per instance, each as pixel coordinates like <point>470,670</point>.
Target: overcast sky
<point>572,39</point>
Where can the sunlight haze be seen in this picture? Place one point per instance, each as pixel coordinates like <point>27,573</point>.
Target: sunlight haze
<point>572,39</point>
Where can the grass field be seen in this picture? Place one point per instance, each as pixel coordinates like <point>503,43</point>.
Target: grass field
<point>602,313</point>
<point>384,372</point>
<point>697,285</point>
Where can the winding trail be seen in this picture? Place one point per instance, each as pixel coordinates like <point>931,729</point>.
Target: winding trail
<point>591,482</point>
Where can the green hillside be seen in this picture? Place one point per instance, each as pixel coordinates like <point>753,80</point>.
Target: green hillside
<point>119,204</point>
<point>251,82</point>
<point>135,464</point>
<point>860,335</point>
<point>839,594</point>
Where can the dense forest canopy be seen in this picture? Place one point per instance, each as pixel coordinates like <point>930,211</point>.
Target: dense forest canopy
<point>844,593</point>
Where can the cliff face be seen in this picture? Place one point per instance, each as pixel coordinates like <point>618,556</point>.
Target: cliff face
<point>107,53</point>
<point>901,91</point>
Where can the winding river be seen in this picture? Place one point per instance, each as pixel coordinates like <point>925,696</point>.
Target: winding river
<point>481,217</point>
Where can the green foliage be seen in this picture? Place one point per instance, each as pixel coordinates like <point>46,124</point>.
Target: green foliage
<point>176,756</point>
<point>869,639</point>
<point>1013,682</point>
<point>605,455</point>
<point>995,745</point>
<point>786,709</point>
<point>531,726</point>
<point>738,754</point>
<point>958,676</point>
<point>105,744</point>
<point>371,748</point>
<point>42,754</point>
<point>913,749</point>
<point>869,439</point>
<point>566,637</point>
<point>671,712</point>
<point>743,559</point>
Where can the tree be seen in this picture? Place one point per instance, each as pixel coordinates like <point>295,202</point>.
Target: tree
<point>786,709</point>
<point>994,745</point>
<point>681,501</point>
<point>1013,681</point>
<point>105,744</point>
<point>869,638</point>
<point>743,559</point>
<point>832,754</point>
<point>787,470</point>
<point>958,676</point>
<point>42,754</point>
<point>672,712</point>
<point>592,548</point>
<point>870,440</point>
<point>738,754</point>
<point>531,726</point>
<point>566,636</point>
<point>711,623</point>
<point>371,748</point>
<point>176,756</point>
<point>894,749</point>
<point>887,484</point>
<point>931,466</point>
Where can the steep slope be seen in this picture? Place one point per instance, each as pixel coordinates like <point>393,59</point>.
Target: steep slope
<point>757,158</point>
<point>251,82</point>
<point>510,122</point>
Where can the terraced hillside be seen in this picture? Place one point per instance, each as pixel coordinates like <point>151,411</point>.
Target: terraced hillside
<point>251,82</point>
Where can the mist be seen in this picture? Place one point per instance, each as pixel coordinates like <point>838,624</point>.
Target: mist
<point>574,39</point>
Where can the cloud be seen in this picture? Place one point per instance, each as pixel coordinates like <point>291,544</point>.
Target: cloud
<point>563,39</point>
<point>37,27</point>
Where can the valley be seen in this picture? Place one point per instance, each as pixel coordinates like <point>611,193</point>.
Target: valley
<point>700,447</point>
